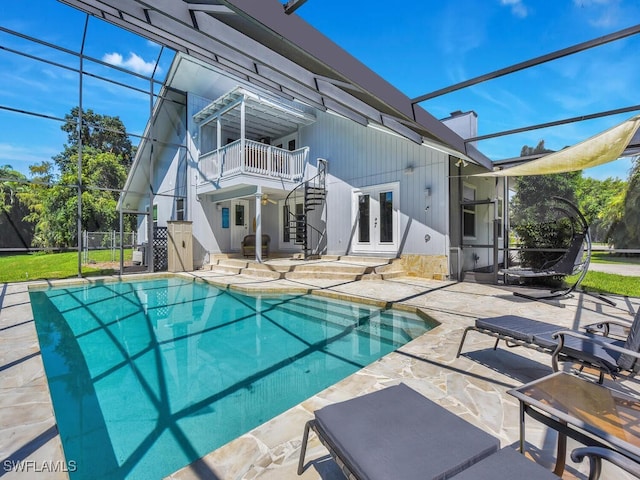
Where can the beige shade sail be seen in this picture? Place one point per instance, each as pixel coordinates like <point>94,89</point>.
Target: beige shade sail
<point>601,148</point>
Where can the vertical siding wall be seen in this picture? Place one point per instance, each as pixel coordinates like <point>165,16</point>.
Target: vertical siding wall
<point>363,156</point>
<point>208,234</point>
<point>168,165</point>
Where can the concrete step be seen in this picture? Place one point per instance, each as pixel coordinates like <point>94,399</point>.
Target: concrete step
<point>324,267</point>
<point>233,262</point>
<point>261,273</point>
<point>226,270</point>
<point>329,275</point>
<point>364,259</point>
<point>388,275</point>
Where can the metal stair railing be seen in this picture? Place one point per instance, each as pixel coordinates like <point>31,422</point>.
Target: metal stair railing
<point>313,192</point>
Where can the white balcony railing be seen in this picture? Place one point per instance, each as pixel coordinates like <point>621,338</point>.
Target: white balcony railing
<point>259,159</point>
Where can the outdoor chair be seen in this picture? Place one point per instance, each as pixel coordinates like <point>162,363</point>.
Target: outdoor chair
<point>398,433</point>
<point>249,245</point>
<point>574,260</point>
<point>596,347</point>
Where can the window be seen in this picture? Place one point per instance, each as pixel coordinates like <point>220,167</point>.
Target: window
<point>292,145</point>
<point>180,209</point>
<point>363,219</point>
<point>239,215</point>
<point>386,217</point>
<point>286,224</point>
<point>225,217</point>
<point>155,215</point>
<point>469,211</point>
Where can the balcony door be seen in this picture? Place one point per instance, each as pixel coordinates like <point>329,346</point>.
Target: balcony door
<point>375,210</point>
<point>239,222</point>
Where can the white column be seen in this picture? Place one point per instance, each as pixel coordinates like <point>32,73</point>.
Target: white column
<point>243,133</point>
<point>259,225</point>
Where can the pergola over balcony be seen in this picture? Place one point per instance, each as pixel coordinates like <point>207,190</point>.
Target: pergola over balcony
<point>235,133</point>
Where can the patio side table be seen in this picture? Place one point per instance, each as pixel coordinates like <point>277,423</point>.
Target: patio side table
<point>590,413</point>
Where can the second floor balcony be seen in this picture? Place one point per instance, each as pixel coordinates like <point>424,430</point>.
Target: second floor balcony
<point>228,130</point>
<point>255,159</point>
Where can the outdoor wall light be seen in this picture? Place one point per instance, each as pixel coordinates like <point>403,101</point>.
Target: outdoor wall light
<point>408,170</point>
<point>218,206</point>
<point>461,162</point>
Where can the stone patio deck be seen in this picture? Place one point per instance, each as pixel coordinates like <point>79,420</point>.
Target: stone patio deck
<point>473,386</point>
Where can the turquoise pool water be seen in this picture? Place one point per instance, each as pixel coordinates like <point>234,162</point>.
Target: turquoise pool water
<point>148,376</point>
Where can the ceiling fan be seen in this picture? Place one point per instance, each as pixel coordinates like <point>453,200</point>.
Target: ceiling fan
<point>266,199</point>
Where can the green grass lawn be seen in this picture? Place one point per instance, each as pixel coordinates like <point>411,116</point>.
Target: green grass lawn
<point>609,283</point>
<point>43,266</point>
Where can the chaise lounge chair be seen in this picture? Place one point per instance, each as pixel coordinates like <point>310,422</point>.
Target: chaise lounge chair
<point>396,433</point>
<point>595,347</point>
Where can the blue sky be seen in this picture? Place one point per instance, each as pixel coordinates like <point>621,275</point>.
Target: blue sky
<point>418,46</point>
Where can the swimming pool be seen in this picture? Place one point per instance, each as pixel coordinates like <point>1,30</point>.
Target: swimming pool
<point>148,376</point>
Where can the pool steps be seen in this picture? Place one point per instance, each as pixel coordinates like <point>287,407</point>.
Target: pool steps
<point>342,315</point>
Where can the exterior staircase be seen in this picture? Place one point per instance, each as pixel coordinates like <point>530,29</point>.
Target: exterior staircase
<point>314,194</point>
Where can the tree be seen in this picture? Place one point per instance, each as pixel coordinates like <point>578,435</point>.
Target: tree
<point>625,229</point>
<point>52,197</point>
<point>601,203</point>
<point>100,132</point>
<point>56,207</point>
<point>17,231</point>
<point>34,197</point>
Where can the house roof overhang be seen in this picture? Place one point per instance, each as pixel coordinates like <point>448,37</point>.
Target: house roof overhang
<point>257,42</point>
<point>138,187</point>
<point>266,117</point>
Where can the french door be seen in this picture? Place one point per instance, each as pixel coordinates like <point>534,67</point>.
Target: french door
<point>375,210</point>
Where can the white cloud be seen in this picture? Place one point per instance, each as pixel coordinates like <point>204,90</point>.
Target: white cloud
<point>602,13</point>
<point>518,8</point>
<point>19,157</point>
<point>134,62</point>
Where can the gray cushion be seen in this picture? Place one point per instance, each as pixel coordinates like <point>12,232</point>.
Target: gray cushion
<point>520,328</point>
<point>506,464</point>
<point>396,433</point>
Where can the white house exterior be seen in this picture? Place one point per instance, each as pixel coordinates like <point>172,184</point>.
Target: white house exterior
<point>385,194</point>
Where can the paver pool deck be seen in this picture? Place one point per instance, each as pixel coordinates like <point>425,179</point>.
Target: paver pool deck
<point>473,386</point>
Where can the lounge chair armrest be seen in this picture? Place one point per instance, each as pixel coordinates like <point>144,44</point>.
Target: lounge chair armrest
<point>569,333</point>
<point>605,327</point>
<point>596,454</point>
